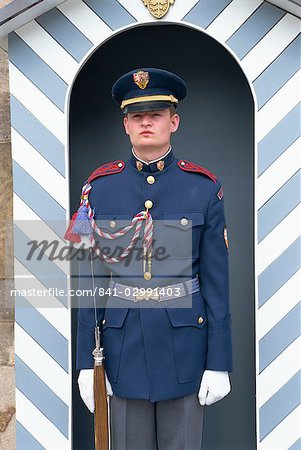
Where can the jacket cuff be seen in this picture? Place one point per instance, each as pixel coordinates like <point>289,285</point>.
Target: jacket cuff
<point>219,353</point>
<point>85,346</point>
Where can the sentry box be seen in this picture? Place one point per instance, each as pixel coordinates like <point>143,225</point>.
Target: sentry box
<point>241,119</point>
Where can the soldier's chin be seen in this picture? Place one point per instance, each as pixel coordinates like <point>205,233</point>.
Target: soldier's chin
<point>147,137</point>
<point>147,141</point>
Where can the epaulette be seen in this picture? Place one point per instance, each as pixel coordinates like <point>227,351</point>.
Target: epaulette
<point>192,167</point>
<point>107,169</point>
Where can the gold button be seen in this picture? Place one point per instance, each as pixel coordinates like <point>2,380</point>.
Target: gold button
<point>150,179</point>
<point>184,221</point>
<point>200,319</point>
<point>147,276</point>
<point>104,321</point>
<point>112,224</point>
<point>120,164</point>
<point>148,204</point>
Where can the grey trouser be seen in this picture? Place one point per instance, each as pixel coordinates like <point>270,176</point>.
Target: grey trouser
<point>175,424</point>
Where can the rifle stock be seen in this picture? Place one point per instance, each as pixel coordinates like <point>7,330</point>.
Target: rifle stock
<point>101,430</point>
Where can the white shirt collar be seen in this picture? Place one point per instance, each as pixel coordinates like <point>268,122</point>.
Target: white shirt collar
<point>154,160</point>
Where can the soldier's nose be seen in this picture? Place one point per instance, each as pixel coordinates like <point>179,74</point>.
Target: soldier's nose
<point>146,120</point>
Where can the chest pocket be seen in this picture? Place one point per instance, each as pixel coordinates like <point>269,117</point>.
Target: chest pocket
<point>182,233</point>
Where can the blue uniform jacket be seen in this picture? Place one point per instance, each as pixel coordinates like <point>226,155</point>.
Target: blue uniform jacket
<point>160,353</point>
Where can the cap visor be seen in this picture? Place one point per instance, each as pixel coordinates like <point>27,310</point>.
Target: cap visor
<point>147,106</point>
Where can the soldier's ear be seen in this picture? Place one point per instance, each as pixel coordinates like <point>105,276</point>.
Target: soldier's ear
<point>125,124</point>
<point>174,123</point>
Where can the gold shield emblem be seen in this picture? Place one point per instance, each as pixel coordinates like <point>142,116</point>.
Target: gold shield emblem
<point>160,165</point>
<point>158,8</point>
<point>141,79</point>
<point>139,165</point>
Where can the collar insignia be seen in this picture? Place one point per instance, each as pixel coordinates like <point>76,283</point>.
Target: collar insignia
<point>139,165</point>
<point>160,165</point>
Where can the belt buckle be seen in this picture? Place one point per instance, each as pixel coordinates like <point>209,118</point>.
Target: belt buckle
<point>146,294</point>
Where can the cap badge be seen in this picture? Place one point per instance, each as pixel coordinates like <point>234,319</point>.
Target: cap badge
<point>141,79</point>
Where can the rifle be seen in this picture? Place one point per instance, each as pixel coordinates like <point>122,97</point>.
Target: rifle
<point>101,429</point>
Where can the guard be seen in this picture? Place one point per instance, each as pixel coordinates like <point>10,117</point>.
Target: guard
<point>157,227</point>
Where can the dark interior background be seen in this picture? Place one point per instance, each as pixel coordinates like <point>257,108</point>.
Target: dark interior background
<point>217,122</point>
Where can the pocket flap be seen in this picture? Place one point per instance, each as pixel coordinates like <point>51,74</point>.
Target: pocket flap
<point>186,317</point>
<point>184,220</point>
<point>115,317</point>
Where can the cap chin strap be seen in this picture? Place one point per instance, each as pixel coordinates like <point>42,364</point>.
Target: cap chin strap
<point>149,98</point>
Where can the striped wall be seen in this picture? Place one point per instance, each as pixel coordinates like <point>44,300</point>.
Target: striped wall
<point>45,56</point>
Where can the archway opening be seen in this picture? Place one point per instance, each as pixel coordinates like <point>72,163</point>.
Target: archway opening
<point>217,131</point>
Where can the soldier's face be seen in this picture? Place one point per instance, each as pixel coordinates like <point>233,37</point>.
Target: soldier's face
<point>151,129</point>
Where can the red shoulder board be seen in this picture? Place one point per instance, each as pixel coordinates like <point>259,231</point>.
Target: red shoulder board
<point>107,169</point>
<point>192,167</point>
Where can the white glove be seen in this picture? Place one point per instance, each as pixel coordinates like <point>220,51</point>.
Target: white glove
<point>215,385</point>
<point>86,387</point>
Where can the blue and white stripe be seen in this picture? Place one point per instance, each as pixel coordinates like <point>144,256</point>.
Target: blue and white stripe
<point>45,56</point>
